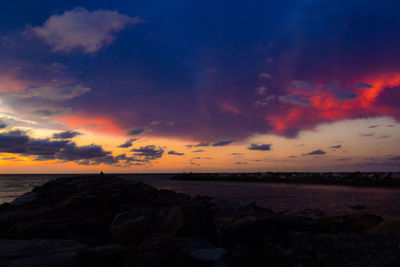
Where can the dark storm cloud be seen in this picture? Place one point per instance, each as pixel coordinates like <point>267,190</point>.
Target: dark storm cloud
<point>149,152</point>
<point>315,152</point>
<point>14,142</point>
<point>223,143</point>
<point>19,142</point>
<point>172,152</point>
<point>72,152</point>
<point>135,131</point>
<point>128,143</point>
<point>66,135</point>
<point>335,146</point>
<point>261,147</point>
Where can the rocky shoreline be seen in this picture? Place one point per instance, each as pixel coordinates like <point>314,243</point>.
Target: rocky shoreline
<point>109,221</point>
<point>367,179</point>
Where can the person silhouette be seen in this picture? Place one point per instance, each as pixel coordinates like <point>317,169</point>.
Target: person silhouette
<point>102,173</point>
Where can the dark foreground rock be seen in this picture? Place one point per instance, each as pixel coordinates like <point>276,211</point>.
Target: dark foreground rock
<point>109,221</point>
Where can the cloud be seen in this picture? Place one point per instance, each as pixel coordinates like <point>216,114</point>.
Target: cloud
<point>296,100</point>
<point>135,131</point>
<point>261,90</point>
<point>336,147</point>
<point>201,144</point>
<point>72,152</point>
<point>200,158</point>
<point>53,93</point>
<point>46,112</point>
<point>18,142</point>
<point>264,101</point>
<point>149,152</point>
<point>198,150</point>
<point>82,29</point>
<point>66,135</point>
<point>373,126</point>
<point>261,147</point>
<point>172,152</point>
<point>383,137</point>
<point>315,152</point>
<point>241,163</point>
<point>128,143</point>
<point>343,159</point>
<point>395,158</point>
<point>366,134</point>
<point>2,124</point>
<point>223,143</point>
<point>237,154</point>
<point>264,75</point>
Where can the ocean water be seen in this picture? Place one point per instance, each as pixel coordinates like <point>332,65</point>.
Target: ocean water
<point>331,199</point>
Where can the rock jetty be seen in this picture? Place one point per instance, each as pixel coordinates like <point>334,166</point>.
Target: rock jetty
<point>375,179</point>
<point>110,221</point>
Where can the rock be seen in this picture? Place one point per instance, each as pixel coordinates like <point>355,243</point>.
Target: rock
<point>26,198</point>
<point>104,256</point>
<point>39,253</point>
<point>131,232</point>
<point>389,227</point>
<point>312,213</point>
<point>357,207</point>
<point>207,254</point>
<point>356,223</point>
<point>193,221</point>
<point>166,250</point>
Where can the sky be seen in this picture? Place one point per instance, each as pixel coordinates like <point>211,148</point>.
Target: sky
<point>202,86</point>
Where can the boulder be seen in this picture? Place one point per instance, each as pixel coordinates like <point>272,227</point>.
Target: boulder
<point>103,256</point>
<point>131,232</point>
<point>166,250</point>
<point>192,220</point>
<point>39,253</point>
<point>356,223</point>
<point>389,227</point>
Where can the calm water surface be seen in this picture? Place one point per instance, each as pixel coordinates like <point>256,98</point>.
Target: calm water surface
<point>332,199</point>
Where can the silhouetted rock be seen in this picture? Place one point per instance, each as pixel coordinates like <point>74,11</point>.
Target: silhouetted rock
<point>108,221</point>
<point>39,253</point>
<point>389,227</point>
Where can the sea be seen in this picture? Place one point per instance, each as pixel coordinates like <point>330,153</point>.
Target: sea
<point>333,200</point>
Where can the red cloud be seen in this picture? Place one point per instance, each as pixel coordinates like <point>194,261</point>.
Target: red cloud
<point>326,107</point>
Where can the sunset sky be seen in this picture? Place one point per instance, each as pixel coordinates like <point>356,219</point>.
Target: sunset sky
<point>203,86</point>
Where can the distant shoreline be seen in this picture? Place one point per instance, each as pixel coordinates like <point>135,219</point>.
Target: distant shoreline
<point>355,179</point>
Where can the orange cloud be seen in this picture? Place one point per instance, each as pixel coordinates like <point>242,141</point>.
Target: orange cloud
<point>92,123</point>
